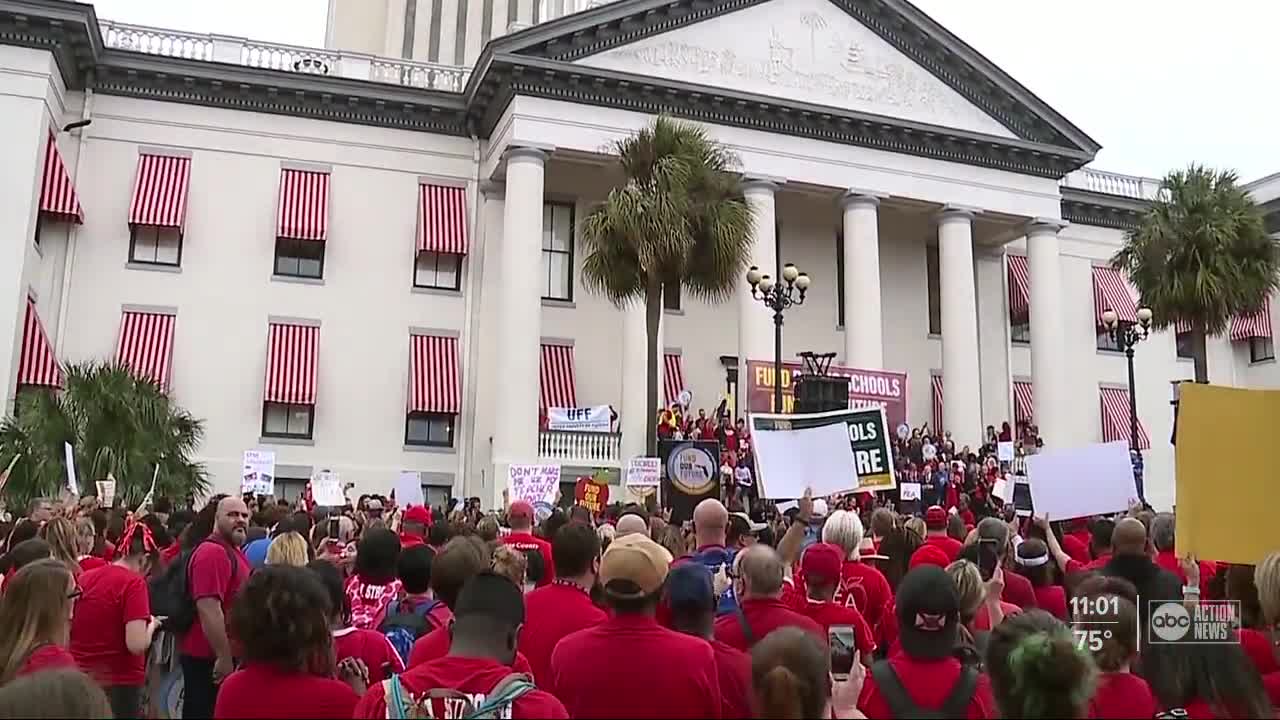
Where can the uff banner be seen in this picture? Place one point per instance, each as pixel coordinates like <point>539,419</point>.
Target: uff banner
<point>585,419</point>
<point>690,474</point>
<point>868,433</point>
<point>867,388</point>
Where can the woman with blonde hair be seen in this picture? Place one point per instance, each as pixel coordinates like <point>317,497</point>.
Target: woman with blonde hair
<point>60,533</point>
<point>35,619</point>
<point>86,536</point>
<point>1266,576</point>
<point>511,563</point>
<point>289,549</point>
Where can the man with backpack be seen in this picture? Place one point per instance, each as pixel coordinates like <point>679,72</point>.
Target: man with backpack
<point>475,678</point>
<point>710,529</point>
<point>419,611</point>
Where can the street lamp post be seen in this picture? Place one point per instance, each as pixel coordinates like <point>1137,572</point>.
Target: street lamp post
<point>1128,335</point>
<point>778,296</point>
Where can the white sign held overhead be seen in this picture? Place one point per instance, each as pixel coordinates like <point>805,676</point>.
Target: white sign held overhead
<point>1004,452</point>
<point>582,419</point>
<point>326,489</point>
<point>73,486</point>
<point>644,472</point>
<point>909,491</point>
<point>408,489</point>
<point>1080,482</point>
<point>788,461</point>
<point>107,492</point>
<point>258,475</point>
<point>536,485</point>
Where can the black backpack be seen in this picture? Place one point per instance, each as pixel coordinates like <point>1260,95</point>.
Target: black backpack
<point>170,592</point>
<point>900,705</point>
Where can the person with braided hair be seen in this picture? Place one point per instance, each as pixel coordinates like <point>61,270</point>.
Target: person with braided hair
<point>1037,669</point>
<point>113,625</point>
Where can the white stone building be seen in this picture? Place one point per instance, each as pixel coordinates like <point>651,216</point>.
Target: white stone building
<point>368,263</point>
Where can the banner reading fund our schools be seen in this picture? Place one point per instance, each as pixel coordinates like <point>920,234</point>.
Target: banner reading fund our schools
<point>867,388</point>
<point>868,432</point>
<point>584,419</point>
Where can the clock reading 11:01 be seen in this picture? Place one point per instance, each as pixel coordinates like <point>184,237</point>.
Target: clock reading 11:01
<point>1088,609</point>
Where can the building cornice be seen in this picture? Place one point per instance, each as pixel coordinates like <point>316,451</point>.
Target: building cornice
<point>1084,207</point>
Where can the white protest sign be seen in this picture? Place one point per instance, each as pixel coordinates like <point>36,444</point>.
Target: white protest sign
<point>644,472</point>
<point>1080,482</point>
<point>73,487</point>
<point>534,484</point>
<point>326,489</point>
<point>582,419</point>
<point>259,472</point>
<point>789,461</point>
<point>909,491</point>
<point>408,489</point>
<point>1004,452</point>
<point>107,492</point>
<point>1002,490</point>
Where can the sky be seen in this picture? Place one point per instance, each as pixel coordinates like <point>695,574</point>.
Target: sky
<point>1158,83</point>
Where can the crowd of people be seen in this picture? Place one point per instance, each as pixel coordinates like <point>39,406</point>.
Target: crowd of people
<point>840,607</point>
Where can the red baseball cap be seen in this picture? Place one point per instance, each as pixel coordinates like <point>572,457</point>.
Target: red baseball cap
<point>520,508</point>
<point>935,518</point>
<point>822,561</point>
<point>929,555</point>
<point>418,514</point>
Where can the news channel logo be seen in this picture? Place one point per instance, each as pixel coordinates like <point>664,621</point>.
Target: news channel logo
<point>1206,622</point>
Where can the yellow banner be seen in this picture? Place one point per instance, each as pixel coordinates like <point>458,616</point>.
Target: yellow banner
<point>1227,482</point>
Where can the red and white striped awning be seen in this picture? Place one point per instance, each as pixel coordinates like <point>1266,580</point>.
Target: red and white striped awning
<point>442,219</point>
<point>673,376</point>
<point>160,191</point>
<point>304,205</point>
<point>37,365</point>
<point>1115,418</point>
<point>557,378</point>
<point>937,402</point>
<point>1111,290</point>
<point>145,345</point>
<point>1019,289</point>
<point>1023,405</point>
<point>434,385</point>
<point>1256,325</point>
<point>292,355</point>
<point>57,193</point>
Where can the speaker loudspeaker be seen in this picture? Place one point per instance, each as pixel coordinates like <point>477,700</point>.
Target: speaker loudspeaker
<point>821,393</point>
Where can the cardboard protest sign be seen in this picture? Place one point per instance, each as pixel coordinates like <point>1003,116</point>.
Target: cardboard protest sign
<point>644,472</point>
<point>867,432</point>
<point>326,489</point>
<point>534,484</point>
<point>690,474</point>
<point>591,494</point>
<point>1081,482</point>
<point>258,475</point>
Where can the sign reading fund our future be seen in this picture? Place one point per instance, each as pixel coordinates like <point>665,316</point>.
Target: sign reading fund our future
<point>869,469</point>
<point>867,389</point>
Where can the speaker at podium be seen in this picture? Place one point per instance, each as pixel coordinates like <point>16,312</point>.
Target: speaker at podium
<point>821,393</point>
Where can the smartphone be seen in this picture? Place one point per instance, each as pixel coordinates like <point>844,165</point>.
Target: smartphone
<point>844,650</point>
<point>334,528</point>
<point>988,557</point>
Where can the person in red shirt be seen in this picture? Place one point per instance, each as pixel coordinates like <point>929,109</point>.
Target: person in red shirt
<point>1037,670</point>
<point>217,571</point>
<point>690,594</point>
<point>521,537</point>
<point>630,666</point>
<point>368,646</point>
<point>281,624</point>
<point>414,526</point>
<point>862,586</point>
<point>35,619</point>
<point>758,585</point>
<point>1032,562</point>
<point>554,611</point>
<point>821,564</point>
<point>1112,626</point>
<point>928,611</point>
<point>113,626</point>
<point>374,585</point>
<point>486,627</point>
<point>935,523</point>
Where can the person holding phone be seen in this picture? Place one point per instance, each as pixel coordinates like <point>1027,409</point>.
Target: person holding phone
<point>821,567</point>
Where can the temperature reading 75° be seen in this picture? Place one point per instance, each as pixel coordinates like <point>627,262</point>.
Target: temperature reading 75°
<point>1091,640</point>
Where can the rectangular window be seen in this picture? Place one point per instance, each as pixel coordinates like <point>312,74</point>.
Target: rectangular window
<point>155,245</point>
<point>1020,332</point>
<point>935,289</point>
<point>1106,341</point>
<point>436,496</point>
<point>557,251</point>
<point>840,279</point>
<point>1261,349</point>
<point>299,258</point>
<point>290,488</point>
<point>671,297</point>
<point>429,429</point>
<point>282,420</point>
<point>438,270</point>
<point>1182,345</point>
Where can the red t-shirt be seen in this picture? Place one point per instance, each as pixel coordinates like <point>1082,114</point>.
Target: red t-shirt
<point>1018,590</point>
<point>526,542</point>
<point>550,614</point>
<point>1075,549</point>
<point>47,657</point>
<point>1271,683</point>
<point>89,562</point>
<point>1053,600</point>
<point>629,666</point>
<point>473,676</point>
<point>928,683</point>
<point>827,614</point>
<point>982,619</point>
<point>1168,560</point>
<point>733,669</point>
<point>408,540</point>
<point>262,691</point>
<point>764,615</point>
<point>1257,645</point>
<point>369,601</point>
<point>1122,696</point>
<point>947,544</point>
<point>113,596</point>
<point>371,646</point>
<point>212,576</point>
<point>864,588</point>
<point>1096,564</point>
<point>435,645</point>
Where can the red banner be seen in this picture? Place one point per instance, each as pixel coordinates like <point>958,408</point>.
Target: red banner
<point>591,494</point>
<point>867,388</point>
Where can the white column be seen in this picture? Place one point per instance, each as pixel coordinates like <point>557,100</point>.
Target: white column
<point>515,430</point>
<point>1048,343</point>
<point>635,421</point>
<point>962,391</point>
<point>863,336</point>
<point>755,321</point>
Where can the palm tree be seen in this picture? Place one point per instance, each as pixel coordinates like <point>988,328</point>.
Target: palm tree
<point>1201,255</point>
<point>679,220</point>
<point>116,423</point>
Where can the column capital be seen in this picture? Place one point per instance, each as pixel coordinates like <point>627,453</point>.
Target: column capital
<point>860,198</point>
<point>532,153</point>
<point>762,183</point>
<point>1044,226</point>
<point>950,213</point>
<point>493,188</point>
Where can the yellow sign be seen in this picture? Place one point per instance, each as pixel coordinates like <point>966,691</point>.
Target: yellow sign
<point>1227,482</point>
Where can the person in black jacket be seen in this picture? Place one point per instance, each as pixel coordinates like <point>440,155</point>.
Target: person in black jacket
<point>1130,561</point>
